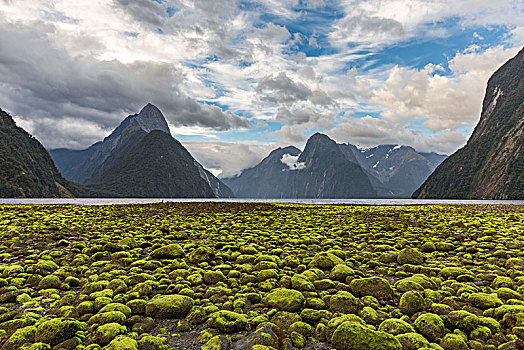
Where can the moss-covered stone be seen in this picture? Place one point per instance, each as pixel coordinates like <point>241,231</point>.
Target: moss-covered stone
<point>406,285</point>
<point>411,303</point>
<point>218,342</point>
<point>395,326</point>
<point>150,342</point>
<point>301,327</point>
<point>502,282</point>
<point>410,256</point>
<point>122,343</point>
<point>505,293</point>
<point>340,272</point>
<point>169,307</point>
<point>463,320</point>
<point>107,317</point>
<point>484,300</point>
<point>343,302</point>
<point>137,306</point>
<point>170,251</point>
<point>374,286</point>
<point>21,336</point>
<point>213,277</point>
<point>57,330</point>
<point>36,346</point>
<point>355,336</point>
<point>228,322</point>
<point>285,299</point>
<point>302,283</point>
<point>471,276</point>
<point>325,261</point>
<point>454,342</point>
<point>48,282</point>
<point>481,333</point>
<point>297,339</point>
<point>430,326</point>
<point>412,341</point>
<point>453,272</point>
<point>284,319</point>
<point>116,307</point>
<point>109,331</point>
<point>263,336</point>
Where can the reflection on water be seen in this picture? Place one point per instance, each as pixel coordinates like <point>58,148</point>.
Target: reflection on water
<point>109,201</point>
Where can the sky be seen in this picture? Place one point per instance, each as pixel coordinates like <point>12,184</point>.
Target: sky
<point>237,79</point>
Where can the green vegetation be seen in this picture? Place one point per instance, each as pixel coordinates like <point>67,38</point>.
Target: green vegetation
<point>153,165</point>
<point>491,165</point>
<point>27,169</point>
<point>261,276</point>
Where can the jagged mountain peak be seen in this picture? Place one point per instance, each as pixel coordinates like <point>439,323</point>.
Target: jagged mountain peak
<point>319,137</point>
<point>150,118</point>
<point>140,158</point>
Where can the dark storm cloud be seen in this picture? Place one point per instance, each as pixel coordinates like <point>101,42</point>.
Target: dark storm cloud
<point>45,86</point>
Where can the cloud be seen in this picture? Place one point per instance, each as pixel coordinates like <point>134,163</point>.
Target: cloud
<point>281,89</point>
<point>292,162</point>
<point>44,84</point>
<point>145,11</point>
<point>298,123</point>
<point>226,159</point>
<point>300,116</point>
<point>364,28</point>
<point>376,23</point>
<point>443,101</point>
<point>516,36</point>
<point>369,131</point>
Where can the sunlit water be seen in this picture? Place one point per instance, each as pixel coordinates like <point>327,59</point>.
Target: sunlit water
<point>110,201</point>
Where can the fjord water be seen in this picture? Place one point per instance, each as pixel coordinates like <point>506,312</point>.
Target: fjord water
<point>381,202</point>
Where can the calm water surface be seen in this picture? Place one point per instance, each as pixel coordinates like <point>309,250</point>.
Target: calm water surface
<point>109,201</point>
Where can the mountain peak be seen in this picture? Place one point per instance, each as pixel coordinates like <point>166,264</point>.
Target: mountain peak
<point>318,139</point>
<point>319,136</point>
<point>150,118</point>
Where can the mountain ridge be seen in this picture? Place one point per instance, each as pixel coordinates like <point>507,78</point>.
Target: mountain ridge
<point>491,164</point>
<point>27,168</point>
<point>416,165</point>
<point>79,165</point>
<point>96,165</point>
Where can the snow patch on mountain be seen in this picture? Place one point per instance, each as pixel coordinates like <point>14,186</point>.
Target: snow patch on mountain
<point>292,162</point>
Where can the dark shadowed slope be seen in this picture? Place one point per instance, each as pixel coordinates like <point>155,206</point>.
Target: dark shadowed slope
<point>151,165</point>
<point>491,165</point>
<point>141,159</point>
<point>26,169</point>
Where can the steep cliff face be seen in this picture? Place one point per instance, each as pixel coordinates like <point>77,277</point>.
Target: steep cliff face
<point>78,166</point>
<point>491,165</point>
<point>151,165</point>
<point>140,159</point>
<point>26,169</point>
